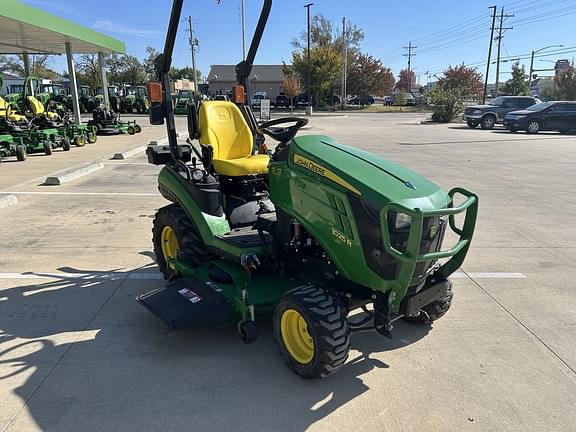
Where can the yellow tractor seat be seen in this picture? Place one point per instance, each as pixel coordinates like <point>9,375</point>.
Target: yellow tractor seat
<point>222,125</point>
<point>38,110</point>
<point>7,112</point>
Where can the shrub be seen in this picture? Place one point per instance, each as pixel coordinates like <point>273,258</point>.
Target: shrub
<point>400,99</point>
<point>446,105</point>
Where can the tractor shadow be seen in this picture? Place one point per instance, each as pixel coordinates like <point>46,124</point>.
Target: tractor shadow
<point>75,342</point>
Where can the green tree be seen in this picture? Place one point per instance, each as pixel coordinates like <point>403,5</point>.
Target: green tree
<point>325,69</point>
<point>565,84</point>
<point>518,84</point>
<point>447,104</point>
<point>148,64</point>
<point>368,76</point>
<point>184,73</point>
<point>462,80</point>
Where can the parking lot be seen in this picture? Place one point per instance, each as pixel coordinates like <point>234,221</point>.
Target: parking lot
<point>78,353</point>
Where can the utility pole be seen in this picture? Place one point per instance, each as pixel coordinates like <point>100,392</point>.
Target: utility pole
<point>309,77</point>
<point>345,65</point>
<point>489,53</point>
<point>242,11</point>
<point>193,45</point>
<point>409,55</point>
<point>500,37</point>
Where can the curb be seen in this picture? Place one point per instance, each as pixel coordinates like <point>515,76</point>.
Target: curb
<point>129,153</point>
<point>70,174</point>
<point>7,200</point>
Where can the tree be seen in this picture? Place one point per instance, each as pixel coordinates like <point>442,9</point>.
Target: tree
<point>89,70</point>
<point>184,73</point>
<point>148,64</point>
<point>325,69</point>
<point>518,84</point>
<point>39,66</point>
<point>407,80</point>
<point>326,55</point>
<point>447,104</point>
<point>565,83</point>
<point>462,80</point>
<point>291,85</point>
<point>368,75</point>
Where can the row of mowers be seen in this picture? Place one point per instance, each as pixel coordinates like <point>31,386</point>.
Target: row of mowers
<point>26,126</point>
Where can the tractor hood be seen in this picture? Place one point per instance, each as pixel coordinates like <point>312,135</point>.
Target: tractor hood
<point>374,178</point>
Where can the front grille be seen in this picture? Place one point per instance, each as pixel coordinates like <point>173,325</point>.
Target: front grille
<point>378,259</point>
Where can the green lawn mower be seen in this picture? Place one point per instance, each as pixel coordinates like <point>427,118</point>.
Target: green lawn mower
<point>12,146</point>
<point>107,122</point>
<point>33,140</point>
<point>323,238</point>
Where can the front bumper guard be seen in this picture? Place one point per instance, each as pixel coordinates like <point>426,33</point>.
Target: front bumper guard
<point>411,255</point>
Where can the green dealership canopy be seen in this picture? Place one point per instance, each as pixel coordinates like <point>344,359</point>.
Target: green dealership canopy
<point>24,28</point>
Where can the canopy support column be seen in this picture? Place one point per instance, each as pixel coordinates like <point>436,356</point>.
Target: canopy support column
<point>73,84</point>
<point>26,59</point>
<point>103,78</point>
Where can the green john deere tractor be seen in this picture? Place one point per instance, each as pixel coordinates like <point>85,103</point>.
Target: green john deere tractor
<point>134,98</point>
<point>183,98</point>
<point>304,235</point>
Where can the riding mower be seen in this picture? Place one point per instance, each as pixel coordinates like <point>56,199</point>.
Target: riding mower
<point>112,98</point>
<point>323,238</point>
<point>107,122</point>
<point>33,139</point>
<point>12,146</point>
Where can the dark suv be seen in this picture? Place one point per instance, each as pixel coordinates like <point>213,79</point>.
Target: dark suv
<point>560,116</point>
<point>494,112</point>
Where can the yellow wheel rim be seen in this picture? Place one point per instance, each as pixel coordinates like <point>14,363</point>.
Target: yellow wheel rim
<point>170,245</point>
<point>295,335</point>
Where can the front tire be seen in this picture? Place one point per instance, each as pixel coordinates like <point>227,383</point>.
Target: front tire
<point>175,237</point>
<point>47,148</point>
<point>91,138</point>
<point>533,127</point>
<point>311,332</point>
<point>488,122</point>
<point>66,144</point>
<point>79,141</point>
<point>472,124</point>
<point>131,130</point>
<point>137,128</point>
<point>21,153</point>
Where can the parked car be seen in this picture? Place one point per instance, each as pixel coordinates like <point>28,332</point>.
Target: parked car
<point>282,101</point>
<point>301,100</point>
<point>360,100</point>
<point>494,112</point>
<point>545,116</point>
<point>388,100</point>
<point>257,99</point>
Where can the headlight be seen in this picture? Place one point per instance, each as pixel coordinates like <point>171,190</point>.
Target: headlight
<point>197,175</point>
<point>402,221</point>
<point>477,112</point>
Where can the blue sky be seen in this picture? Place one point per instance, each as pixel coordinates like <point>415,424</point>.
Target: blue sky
<point>445,32</point>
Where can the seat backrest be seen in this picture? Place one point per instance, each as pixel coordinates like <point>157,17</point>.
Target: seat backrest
<point>36,106</point>
<point>3,104</point>
<point>222,125</point>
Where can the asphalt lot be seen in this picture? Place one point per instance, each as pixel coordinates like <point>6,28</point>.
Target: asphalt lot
<point>78,353</point>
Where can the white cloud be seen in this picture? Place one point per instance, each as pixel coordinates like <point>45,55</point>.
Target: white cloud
<point>112,27</point>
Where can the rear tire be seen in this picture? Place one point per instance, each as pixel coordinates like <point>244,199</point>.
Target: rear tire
<point>47,148</point>
<point>91,138</point>
<point>311,332</point>
<point>21,153</point>
<point>79,141</point>
<point>435,310</point>
<point>488,122</point>
<point>189,244</point>
<point>533,127</point>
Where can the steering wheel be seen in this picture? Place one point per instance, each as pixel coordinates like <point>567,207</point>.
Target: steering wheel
<point>283,134</point>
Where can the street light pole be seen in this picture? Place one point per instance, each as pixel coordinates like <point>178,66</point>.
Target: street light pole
<point>308,77</point>
<point>532,62</point>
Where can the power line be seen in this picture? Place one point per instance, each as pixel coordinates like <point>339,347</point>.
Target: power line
<point>499,38</point>
<point>410,54</point>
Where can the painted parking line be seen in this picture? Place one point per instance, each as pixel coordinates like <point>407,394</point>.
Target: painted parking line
<point>157,276</point>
